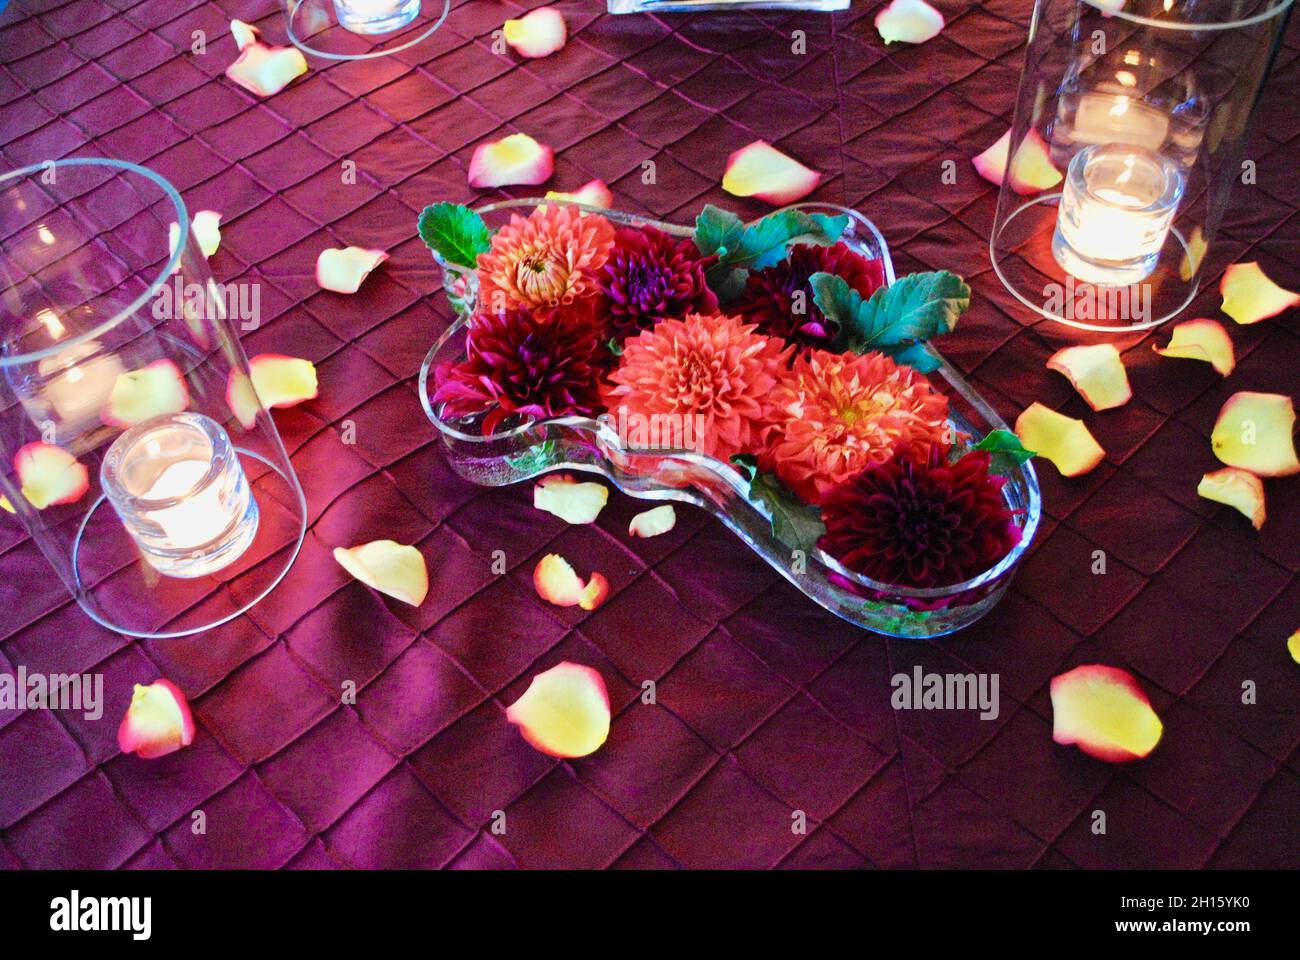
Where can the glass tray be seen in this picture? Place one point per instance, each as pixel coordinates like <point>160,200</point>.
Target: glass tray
<point>525,450</point>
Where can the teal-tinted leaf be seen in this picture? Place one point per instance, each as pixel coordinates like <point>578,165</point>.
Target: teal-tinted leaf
<point>914,308</point>
<point>717,231</point>
<point>746,463</point>
<point>455,232</point>
<point>916,356</point>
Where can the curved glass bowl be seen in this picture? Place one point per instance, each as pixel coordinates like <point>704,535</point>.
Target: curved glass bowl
<point>524,448</point>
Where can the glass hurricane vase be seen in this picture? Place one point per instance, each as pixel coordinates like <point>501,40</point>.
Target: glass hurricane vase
<point>522,448</point>
<point>133,450</point>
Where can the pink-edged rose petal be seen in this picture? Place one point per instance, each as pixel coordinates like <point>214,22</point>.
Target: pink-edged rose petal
<point>908,21</point>
<point>1255,431</point>
<point>1105,712</point>
<point>538,33</point>
<point>1236,488</point>
<point>1293,646</point>
<point>516,160</point>
<point>593,193</point>
<point>343,270</point>
<point>652,523</point>
<point>157,722</point>
<point>49,475</point>
<point>571,501</point>
<point>279,381</point>
<point>1249,296</point>
<point>5,505</point>
<point>1097,372</point>
<point>564,712</point>
<point>1201,339</point>
<point>392,568</point>
<point>245,34</point>
<point>765,173</point>
<point>1032,171</point>
<point>1066,441</point>
<point>139,395</point>
<point>206,227</point>
<point>557,583</point>
<point>264,70</point>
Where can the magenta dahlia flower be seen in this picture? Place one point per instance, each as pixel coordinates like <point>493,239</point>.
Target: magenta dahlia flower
<point>536,364</point>
<point>651,276</point>
<point>779,299</point>
<point>920,522</point>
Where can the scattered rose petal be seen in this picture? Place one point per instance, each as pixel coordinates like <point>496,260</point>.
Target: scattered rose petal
<point>1254,432</point>
<point>49,475</point>
<point>1097,372</point>
<point>911,21</point>
<point>765,173</point>
<point>264,70</point>
<point>343,270</point>
<point>571,501</point>
<point>1193,255</point>
<point>1033,170</point>
<point>1249,296</point>
<point>1105,712</point>
<point>1293,646</point>
<point>206,227</point>
<point>516,160</point>
<point>392,568</point>
<point>564,712</point>
<point>538,33</point>
<point>1065,441</point>
<point>279,381</point>
<point>245,34</point>
<point>557,583</point>
<point>593,194</point>
<point>1201,339</point>
<point>157,722</point>
<point>151,391</point>
<point>5,505</point>
<point>1236,488</point>
<point>651,523</point>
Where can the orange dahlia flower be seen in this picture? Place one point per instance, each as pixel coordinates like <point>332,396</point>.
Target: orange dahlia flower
<point>547,259</point>
<point>836,414</point>
<point>712,369</point>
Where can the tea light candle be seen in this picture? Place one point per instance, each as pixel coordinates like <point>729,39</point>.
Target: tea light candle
<point>78,382</point>
<point>1117,118</point>
<point>1117,206</point>
<point>178,487</point>
<point>375,16</point>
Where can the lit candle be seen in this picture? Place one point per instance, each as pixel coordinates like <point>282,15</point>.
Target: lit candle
<point>1117,206</point>
<point>177,484</point>
<point>78,382</point>
<point>1118,118</point>
<point>375,16</point>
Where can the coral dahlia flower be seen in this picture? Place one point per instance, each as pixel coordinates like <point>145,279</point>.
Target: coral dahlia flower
<point>549,258</point>
<point>715,368</point>
<point>920,522</point>
<point>836,414</point>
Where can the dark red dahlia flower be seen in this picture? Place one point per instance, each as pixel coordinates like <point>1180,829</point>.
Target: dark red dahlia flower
<point>915,522</point>
<point>540,364</point>
<point>772,299</point>
<point>651,276</point>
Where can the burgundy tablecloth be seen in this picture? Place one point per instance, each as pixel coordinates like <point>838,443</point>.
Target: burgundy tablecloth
<point>766,705</point>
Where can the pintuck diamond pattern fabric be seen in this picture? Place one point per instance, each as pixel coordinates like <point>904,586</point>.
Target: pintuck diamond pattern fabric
<point>770,740</point>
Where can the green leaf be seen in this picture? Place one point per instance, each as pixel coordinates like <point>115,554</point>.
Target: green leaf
<point>1007,451</point>
<point>740,249</point>
<point>455,232</point>
<point>916,356</point>
<point>794,523</point>
<point>615,347</point>
<point>911,310</point>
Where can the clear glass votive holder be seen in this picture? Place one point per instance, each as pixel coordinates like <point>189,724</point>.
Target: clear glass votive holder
<point>1117,206</point>
<point>177,484</point>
